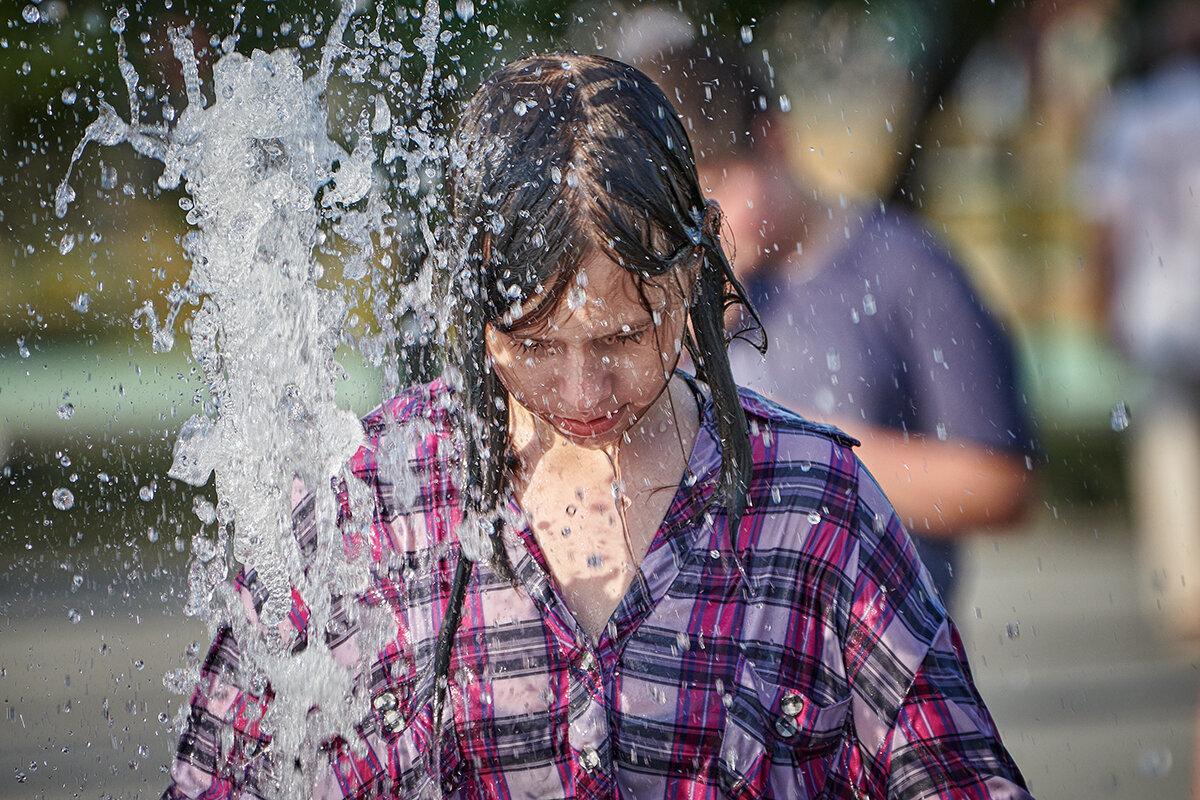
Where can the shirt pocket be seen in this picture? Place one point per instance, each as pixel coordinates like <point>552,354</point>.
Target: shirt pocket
<point>779,741</point>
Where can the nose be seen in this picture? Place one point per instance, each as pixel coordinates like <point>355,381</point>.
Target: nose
<point>585,386</point>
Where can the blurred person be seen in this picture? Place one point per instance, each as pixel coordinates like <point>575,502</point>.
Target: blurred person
<point>1140,186</point>
<point>871,323</point>
<point>691,591</point>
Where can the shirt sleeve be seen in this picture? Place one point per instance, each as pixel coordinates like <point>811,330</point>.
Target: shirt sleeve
<point>223,752</point>
<point>921,728</point>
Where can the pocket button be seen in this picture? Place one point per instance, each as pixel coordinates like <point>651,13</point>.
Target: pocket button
<point>786,726</point>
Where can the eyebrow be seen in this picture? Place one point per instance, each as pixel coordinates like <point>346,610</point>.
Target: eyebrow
<point>623,327</point>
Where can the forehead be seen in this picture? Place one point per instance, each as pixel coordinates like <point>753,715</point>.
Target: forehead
<point>603,298</point>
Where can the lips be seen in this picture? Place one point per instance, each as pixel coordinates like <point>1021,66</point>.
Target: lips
<point>585,429</point>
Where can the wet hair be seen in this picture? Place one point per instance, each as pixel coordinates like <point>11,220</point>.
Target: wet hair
<point>556,157</point>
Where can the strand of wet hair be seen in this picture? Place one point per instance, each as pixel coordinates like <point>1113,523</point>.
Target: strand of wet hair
<point>717,289</point>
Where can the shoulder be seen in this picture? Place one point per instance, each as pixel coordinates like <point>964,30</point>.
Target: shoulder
<point>761,412</point>
<point>425,403</point>
<point>415,426</point>
<point>800,467</point>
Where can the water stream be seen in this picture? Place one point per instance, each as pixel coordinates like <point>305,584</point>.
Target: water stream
<point>266,188</point>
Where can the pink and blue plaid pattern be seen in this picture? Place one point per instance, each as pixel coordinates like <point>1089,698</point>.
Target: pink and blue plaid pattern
<point>829,669</point>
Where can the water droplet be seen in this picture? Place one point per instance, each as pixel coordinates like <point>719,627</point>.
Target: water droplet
<point>22,350</point>
<point>74,616</point>
<point>205,510</point>
<point>1120,417</point>
<point>556,174</point>
<point>491,31</point>
<point>520,109</point>
<point>146,493</point>
<point>69,96</point>
<point>381,121</point>
<point>576,297</point>
<point>1155,762</point>
<point>152,534</point>
<point>785,103</point>
<point>571,510</point>
<point>1013,630</point>
<point>941,431</point>
<point>118,22</point>
<point>82,303</point>
<point>747,34</point>
<point>465,10</point>
<point>31,14</point>
<point>76,582</point>
<point>566,531</point>
<point>66,410</point>
<point>139,665</point>
<point>63,499</point>
<point>66,244</point>
<point>869,306</point>
<point>833,360</point>
<point>109,178</point>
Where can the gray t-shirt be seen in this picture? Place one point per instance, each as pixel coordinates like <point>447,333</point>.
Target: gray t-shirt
<point>888,330</point>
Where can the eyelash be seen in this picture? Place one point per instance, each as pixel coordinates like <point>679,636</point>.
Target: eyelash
<point>530,347</point>
<point>633,337</point>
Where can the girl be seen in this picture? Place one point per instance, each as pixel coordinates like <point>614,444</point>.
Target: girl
<point>613,579</point>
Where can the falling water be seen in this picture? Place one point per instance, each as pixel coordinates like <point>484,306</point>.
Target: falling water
<point>265,185</point>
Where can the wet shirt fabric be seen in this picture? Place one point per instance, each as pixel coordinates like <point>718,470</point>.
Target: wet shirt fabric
<point>828,668</point>
<point>884,327</point>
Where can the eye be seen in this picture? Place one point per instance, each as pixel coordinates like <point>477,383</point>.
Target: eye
<point>627,337</point>
<point>533,348</point>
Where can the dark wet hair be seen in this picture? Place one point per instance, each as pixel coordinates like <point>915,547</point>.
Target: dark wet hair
<point>554,157</point>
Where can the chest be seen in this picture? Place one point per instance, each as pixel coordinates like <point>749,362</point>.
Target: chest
<point>593,529</point>
<point>683,707</point>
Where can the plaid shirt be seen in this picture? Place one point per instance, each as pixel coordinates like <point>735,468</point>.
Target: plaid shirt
<point>828,669</point>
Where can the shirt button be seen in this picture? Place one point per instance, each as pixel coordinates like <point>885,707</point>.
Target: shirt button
<point>785,726</point>
<point>589,758</point>
<point>393,721</point>
<point>792,705</point>
<point>384,701</point>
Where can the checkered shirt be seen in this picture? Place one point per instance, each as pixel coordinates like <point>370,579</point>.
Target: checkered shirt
<point>827,668</point>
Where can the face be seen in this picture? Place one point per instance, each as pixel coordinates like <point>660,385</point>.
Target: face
<point>601,360</point>
<point>744,192</point>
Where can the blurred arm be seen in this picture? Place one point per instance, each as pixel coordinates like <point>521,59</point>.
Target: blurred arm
<point>944,488</point>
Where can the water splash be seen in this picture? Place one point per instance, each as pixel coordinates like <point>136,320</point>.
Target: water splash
<point>265,182</point>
